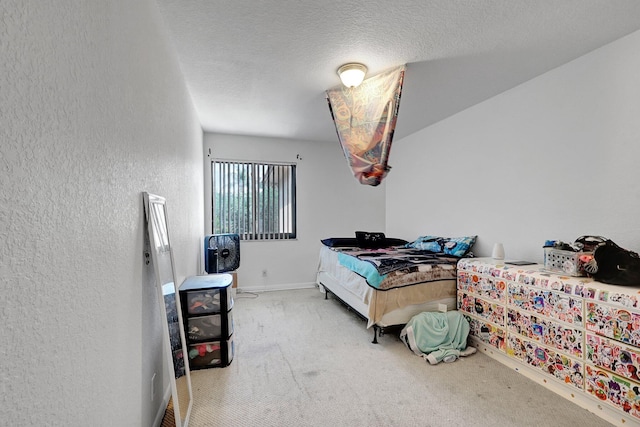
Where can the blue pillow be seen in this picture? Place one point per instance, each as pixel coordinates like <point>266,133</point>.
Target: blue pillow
<point>456,246</point>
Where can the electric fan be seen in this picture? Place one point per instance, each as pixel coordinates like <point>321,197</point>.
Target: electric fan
<point>221,253</point>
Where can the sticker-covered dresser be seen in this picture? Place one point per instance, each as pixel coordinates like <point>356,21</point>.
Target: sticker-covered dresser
<point>577,337</point>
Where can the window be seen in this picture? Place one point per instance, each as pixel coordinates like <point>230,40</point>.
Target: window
<point>255,200</point>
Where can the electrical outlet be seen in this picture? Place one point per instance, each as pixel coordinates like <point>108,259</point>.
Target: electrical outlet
<point>153,387</point>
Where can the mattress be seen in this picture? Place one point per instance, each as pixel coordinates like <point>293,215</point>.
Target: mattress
<point>388,307</point>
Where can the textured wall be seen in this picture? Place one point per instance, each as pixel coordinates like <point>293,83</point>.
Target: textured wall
<point>554,158</point>
<point>93,111</point>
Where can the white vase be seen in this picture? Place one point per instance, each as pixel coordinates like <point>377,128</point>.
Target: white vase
<point>498,251</point>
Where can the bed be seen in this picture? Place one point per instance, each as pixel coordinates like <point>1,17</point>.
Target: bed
<point>389,282</point>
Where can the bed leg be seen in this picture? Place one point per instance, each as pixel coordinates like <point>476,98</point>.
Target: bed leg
<point>375,334</point>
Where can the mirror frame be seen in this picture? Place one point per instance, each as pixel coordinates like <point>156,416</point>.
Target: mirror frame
<point>162,258</point>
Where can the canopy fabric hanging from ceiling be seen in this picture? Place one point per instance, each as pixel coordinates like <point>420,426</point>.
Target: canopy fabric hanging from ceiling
<point>365,119</point>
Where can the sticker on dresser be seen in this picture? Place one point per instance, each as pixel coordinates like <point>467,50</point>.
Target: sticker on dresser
<point>613,322</point>
<point>551,333</point>
<point>614,356</point>
<point>552,304</point>
<point>550,362</point>
<point>490,311</point>
<point>487,333</point>
<point>483,286</point>
<point>618,392</point>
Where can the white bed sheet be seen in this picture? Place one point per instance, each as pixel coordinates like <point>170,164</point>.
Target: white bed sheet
<point>347,279</point>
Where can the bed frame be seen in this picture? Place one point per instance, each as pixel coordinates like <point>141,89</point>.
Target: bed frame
<point>392,320</point>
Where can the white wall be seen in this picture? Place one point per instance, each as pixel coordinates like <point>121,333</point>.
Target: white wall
<point>94,110</point>
<point>331,203</point>
<point>554,158</point>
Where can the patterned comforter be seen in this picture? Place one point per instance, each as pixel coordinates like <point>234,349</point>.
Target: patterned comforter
<point>397,266</point>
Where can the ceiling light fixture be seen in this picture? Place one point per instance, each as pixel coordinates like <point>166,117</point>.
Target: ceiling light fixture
<point>352,74</point>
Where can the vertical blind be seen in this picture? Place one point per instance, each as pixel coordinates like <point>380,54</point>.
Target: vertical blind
<point>255,200</point>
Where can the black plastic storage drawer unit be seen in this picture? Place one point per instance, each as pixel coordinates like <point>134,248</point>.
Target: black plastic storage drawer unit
<point>206,312</point>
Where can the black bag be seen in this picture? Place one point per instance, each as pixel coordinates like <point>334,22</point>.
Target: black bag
<point>615,265</point>
<point>589,243</point>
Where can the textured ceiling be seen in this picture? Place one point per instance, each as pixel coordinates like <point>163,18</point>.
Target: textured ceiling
<point>261,67</point>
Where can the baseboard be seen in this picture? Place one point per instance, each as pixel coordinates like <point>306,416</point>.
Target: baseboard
<point>163,407</point>
<point>279,287</point>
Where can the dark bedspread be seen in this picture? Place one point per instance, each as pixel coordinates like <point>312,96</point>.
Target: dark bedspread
<point>397,266</point>
<point>398,258</point>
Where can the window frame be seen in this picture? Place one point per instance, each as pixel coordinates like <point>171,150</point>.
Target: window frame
<point>255,231</point>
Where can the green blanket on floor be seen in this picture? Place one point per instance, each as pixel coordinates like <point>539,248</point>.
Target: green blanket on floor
<point>438,336</point>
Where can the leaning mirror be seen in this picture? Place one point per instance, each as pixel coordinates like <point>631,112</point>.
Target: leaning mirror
<point>173,332</point>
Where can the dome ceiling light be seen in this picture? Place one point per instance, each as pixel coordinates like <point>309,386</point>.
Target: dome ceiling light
<point>352,74</point>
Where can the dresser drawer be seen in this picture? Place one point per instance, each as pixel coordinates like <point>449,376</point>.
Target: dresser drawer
<point>211,354</point>
<point>557,305</point>
<point>209,327</point>
<point>614,356</point>
<point>615,390</point>
<point>617,323</point>
<point>547,361</point>
<point>565,338</point>
<point>487,333</point>
<point>487,287</point>
<point>490,311</point>
<point>207,300</point>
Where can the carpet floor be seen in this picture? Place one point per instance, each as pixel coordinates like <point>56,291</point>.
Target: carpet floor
<point>302,360</point>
